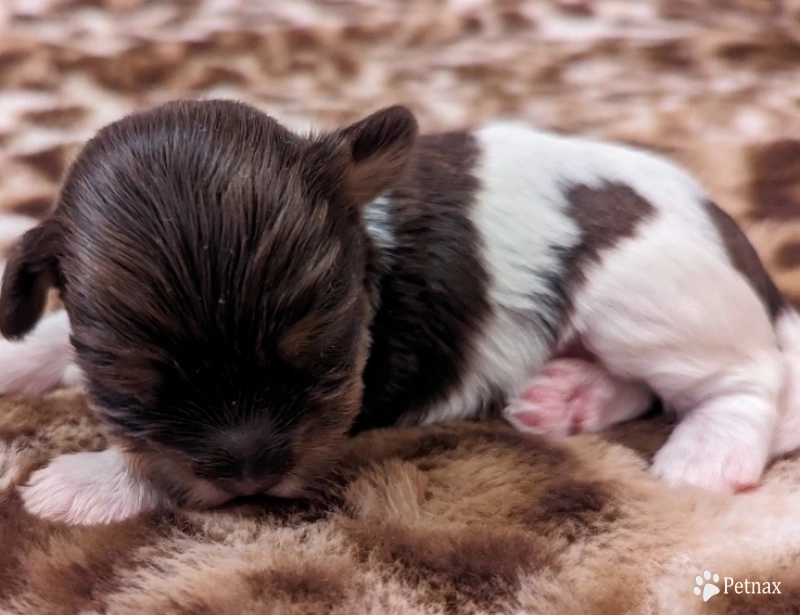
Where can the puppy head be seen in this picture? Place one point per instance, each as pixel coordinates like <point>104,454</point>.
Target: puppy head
<point>214,268</point>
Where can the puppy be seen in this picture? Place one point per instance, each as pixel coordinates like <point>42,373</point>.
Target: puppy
<point>240,298</point>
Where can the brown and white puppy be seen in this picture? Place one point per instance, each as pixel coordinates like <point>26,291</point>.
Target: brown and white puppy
<point>240,298</point>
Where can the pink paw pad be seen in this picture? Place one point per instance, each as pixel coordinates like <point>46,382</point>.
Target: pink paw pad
<point>565,398</point>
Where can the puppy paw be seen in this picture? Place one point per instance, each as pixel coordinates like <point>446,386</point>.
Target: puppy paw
<point>568,396</point>
<point>88,488</point>
<point>711,465</point>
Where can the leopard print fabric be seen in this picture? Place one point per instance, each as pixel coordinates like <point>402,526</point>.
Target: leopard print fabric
<point>454,519</point>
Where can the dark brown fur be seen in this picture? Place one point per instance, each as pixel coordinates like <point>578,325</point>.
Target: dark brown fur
<point>433,292</point>
<point>231,312</point>
<point>213,265</point>
<point>605,216</point>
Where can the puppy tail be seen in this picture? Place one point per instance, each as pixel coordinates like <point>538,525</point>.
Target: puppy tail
<point>787,433</point>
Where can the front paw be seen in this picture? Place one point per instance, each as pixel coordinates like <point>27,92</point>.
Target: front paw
<point>88,488</point>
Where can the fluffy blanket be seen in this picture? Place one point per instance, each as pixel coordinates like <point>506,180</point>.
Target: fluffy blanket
<point>467,518</point>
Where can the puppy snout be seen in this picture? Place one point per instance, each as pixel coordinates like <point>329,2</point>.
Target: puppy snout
<point>248,459</point>
<point>248,486</point>
<point>253,487</point>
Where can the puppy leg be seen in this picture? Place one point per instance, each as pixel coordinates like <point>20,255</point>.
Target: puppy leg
<point>667,309</point>
<point>572,396</point>
<point>89,488</point>
<point>41,362</point>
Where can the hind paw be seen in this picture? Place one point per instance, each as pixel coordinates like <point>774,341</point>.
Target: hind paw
<point>568,396</point>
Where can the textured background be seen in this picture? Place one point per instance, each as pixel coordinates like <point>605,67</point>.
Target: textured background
<point>449,520</point>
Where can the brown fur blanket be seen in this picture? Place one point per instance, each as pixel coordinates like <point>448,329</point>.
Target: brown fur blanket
<point>464,518</point>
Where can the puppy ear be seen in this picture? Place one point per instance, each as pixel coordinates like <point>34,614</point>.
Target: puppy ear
<point>31,270</point>
<point>377,151</point>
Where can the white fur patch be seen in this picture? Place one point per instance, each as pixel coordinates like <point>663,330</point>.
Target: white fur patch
<point>666,308</point>
<point>89,488</point>
<point>379,227</point>
<point>42,361</point>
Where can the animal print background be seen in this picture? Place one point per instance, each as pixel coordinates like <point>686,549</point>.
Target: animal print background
<point>456,519</point>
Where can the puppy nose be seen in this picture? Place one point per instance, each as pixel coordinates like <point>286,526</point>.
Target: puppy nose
<point>250,487</point>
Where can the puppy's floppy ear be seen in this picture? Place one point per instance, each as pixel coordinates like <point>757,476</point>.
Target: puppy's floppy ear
<point>377,151</point>
<point>31,270</point>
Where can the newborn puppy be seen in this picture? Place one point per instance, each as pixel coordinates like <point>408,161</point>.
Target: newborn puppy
<point>240,298</point>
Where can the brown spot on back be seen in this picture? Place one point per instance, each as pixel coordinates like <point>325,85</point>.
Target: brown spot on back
<point>745,259</point>
<point>605,216</point>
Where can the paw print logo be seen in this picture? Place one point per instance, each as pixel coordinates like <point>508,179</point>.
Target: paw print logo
<point>707,583</point>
